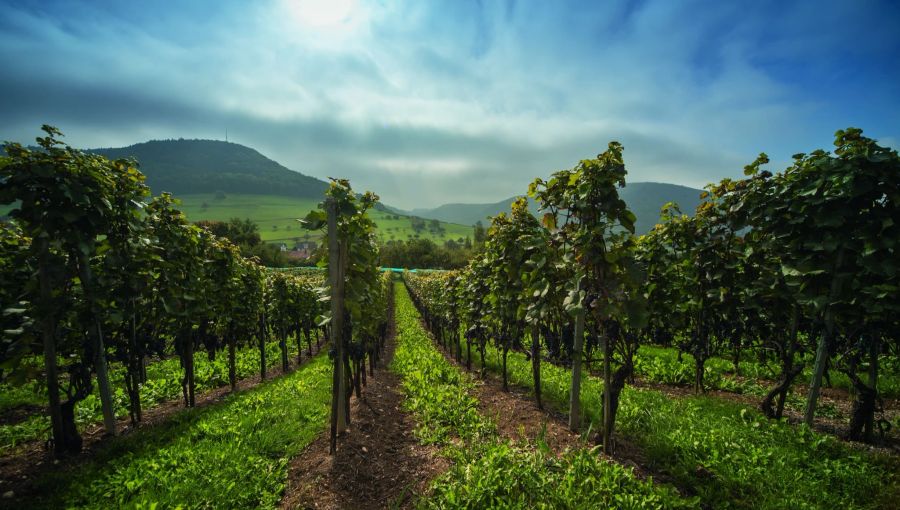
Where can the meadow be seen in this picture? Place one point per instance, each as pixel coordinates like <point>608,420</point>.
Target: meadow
<point>277,217</point>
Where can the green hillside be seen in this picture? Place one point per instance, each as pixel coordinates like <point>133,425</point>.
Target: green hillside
<point>185,167</point>
<point>217,180</point>
<point>273,196</point>
<point>646,198</point>
<point>643,198</point>
<point>277,218</point>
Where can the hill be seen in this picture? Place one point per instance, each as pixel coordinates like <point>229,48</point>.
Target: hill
<point>643,198</point>
<point>218,180</point>
<point>184,167</point>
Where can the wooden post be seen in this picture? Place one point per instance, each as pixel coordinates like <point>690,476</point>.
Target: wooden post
<point>263,333</point>
<point>874,350</point>
<point>607,393</point>
<point>103,385</point>
<point>336,279</point>
<point>232,373</point>
<point>575,394</point>
<point>49,341</point>
<point>96,337</point>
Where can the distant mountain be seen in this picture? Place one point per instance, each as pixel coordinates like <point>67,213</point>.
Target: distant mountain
<point>185,167</point>
<point>643,198</point>
<point>465,214</point>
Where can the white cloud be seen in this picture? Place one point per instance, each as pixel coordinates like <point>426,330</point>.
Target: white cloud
<point>435,96</point>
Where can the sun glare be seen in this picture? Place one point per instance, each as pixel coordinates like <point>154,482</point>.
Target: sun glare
<point>321,13</point>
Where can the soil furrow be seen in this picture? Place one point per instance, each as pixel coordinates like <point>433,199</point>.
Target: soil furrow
<point>379,462</point>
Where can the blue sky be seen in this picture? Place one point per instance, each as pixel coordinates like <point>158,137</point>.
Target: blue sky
<point>429,102</point>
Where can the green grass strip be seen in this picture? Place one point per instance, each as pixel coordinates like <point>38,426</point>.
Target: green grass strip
<point>230,455</point>
<point>163,383</point>
<point>728,453</point>
<point>487,471</point>
<point>661,365</point>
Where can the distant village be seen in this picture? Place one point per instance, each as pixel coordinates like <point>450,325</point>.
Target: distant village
<point>301,250</point>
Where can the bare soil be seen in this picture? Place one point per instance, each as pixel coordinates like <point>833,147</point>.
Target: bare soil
<point>20,413</point>
<point>518,418</point>
<point>379,462</point>
<point>516,413</point>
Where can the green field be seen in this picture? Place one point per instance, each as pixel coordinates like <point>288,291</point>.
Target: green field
<point>233,454</point>
<point>277,218</point>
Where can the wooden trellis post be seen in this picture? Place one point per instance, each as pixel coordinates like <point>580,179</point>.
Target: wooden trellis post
<point>336,279</point>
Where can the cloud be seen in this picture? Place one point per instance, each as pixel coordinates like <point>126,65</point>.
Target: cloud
<point>427,103</point>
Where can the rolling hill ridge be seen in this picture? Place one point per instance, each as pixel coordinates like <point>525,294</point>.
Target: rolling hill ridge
<point>188,167</point>
<point>217,180</point>
<point>195,170</point>
<point>643,198</point>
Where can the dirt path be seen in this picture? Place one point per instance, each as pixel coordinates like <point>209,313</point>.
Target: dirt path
<point>18,470</point>
<point>379,462</point>
<point>516,413</point>
<point>519,418</point>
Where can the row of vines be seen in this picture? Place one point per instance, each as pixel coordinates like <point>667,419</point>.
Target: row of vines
<point>359,297</point>
<point>793,268</point>
<point>95,275</point>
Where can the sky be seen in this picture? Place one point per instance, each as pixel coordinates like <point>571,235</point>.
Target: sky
<point>431,102</point>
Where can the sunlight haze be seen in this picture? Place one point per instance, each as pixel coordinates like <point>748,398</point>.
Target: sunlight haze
<point>459,101</point>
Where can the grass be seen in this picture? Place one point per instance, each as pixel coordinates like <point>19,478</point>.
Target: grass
<point>29,393</point>
<point>230,455</point>
<point>487,471</point>
<point>277,218</point>
<point>661,365</point>
<point>163,383</point>
<point>728,453</point>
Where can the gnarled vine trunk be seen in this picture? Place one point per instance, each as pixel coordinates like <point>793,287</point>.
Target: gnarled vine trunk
<point>536,363</point>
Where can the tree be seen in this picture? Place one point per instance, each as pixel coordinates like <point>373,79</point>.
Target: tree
<point>179,283</point>
<point>126,278</point>
<point>16,297</point>
<point>244,233</point>
<point>596,232</point>
<point>64,206</point>
<point>834,220</point>
<point>478,233</point>
<point>355,288</point>
<point>507,256</point>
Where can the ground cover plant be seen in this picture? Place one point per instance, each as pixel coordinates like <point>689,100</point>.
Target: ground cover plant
<point>489,472</point>
<point>793,270</point>
<point>130,296</point>
<point>122,277</point>
<point>163,383</point>
<point>778,285</point>
<point>727,453</point>
<point>666,365</point>
<point>230,455</point>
